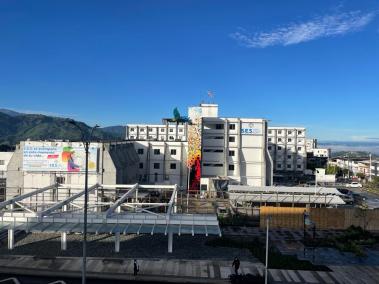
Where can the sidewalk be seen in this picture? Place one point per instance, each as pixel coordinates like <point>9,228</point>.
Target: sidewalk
<point>157,270</point>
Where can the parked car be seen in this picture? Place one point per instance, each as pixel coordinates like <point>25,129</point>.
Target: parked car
<point>354,184</point>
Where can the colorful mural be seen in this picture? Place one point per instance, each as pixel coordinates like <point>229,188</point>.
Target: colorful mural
<point>194,148</point>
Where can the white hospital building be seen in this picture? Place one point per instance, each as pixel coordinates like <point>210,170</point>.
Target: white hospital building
<point>231,148</point>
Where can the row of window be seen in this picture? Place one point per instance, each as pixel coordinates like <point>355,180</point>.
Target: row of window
<point>230,167</point>
<point>289,132</point>
<point>289,140</point>
<point>232,153</point>
<point>162,138</point>
<point>141,151</point>
<point>289,166</point>
<point>162,130</point>
<point>280,148</point>
<point>157,166</point>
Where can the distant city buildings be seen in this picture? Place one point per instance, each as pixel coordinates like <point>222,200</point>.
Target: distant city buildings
<point>356,165</point>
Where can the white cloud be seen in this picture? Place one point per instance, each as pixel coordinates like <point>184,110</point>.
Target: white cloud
<point>294,33</point>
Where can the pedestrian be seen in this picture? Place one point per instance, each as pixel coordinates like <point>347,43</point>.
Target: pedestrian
<point>136,267</point>
<point>236,265</point>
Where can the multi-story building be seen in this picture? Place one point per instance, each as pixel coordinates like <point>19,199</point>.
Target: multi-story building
<point>322,153</point>
<point>311,144</point>
<point>162,162</point>
<point>207,146</point>
<point>287,147</point>
<point>37,164</point>
<point>4,160</point>
<point>236,148</point>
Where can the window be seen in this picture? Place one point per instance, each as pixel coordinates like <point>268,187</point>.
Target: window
<point>299,166</point>
<point>156,166</point>
<point>231,167</point>
<point>289,132</point>
<point>269,148</point>
<point>289,140</point>
<point>232,139</point>
<point>279,139</point>
<point>131,137</point>
<point>219,126</point>
<point>231,153</point>
<point>132,129</point>
<point>289,157</point>
<point>171,130</point>
<point>173,166</point>
<point>141,165</point>
<point>150,137</point>
<point>299,148</point>
<point>289,166</point>
<point>232,126</point>
<point>60,180</point>
<point>155,177</point>
<point>171,137</point>
<point>2,162</point>
<point>299,132</point>
<point>157,152</point>
<point>279,132</point>
<point>279,148</point>
<point>270,132</point>
<point>150,129</point>
<point>140,151</point>
<point>173,152</point>
<point>162,129</point>
<point>279,166</point>
<point>181,130</point>
<point>269,139</point>
<point>142,130</point>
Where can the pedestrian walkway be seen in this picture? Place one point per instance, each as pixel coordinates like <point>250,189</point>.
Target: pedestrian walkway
<point>158,270</point>
<point>339,275</point>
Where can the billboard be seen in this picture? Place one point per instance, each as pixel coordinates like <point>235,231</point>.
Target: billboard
<point>58,159</point>
<point>250,128</point>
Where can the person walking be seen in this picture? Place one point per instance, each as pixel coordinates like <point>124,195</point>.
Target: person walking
<point>236,264</point>
<point>135,267</point>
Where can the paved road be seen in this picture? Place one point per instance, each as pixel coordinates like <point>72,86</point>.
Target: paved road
<point>152,270</point>
<point>339,275</point>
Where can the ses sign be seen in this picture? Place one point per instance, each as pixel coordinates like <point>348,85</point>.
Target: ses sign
<point>251,128</point>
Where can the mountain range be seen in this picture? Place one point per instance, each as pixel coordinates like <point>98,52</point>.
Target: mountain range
<point>15,127</point>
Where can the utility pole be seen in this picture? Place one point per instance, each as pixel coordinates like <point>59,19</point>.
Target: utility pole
<point>86,140</point>
<point>267,232</point>
<point>370,171</point>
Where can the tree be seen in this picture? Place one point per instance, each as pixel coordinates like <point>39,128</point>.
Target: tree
<point>361,175</point>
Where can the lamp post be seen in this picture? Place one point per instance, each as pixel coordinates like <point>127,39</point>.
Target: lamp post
<point>267,231</point>
<point>86,140</point>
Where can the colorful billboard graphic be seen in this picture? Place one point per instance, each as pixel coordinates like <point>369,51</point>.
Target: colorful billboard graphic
<point>58,159</point>
<point>194,149</point>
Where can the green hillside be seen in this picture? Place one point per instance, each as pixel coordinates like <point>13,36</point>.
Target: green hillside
<point>41,127</point>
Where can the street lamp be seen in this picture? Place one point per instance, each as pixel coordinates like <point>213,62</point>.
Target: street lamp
<point>86,140</point>
<point>267,238</point>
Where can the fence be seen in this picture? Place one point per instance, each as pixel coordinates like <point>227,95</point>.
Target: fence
<point>324,218</point>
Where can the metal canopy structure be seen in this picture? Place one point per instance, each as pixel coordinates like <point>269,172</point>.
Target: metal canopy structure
<point>285,189</point>
<point>113,209</point>
<point>321,196</point>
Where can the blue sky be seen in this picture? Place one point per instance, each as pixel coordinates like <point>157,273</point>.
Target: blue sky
<point>305,63</point>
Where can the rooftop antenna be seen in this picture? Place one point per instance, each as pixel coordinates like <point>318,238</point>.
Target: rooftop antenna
<point>210,96</point>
